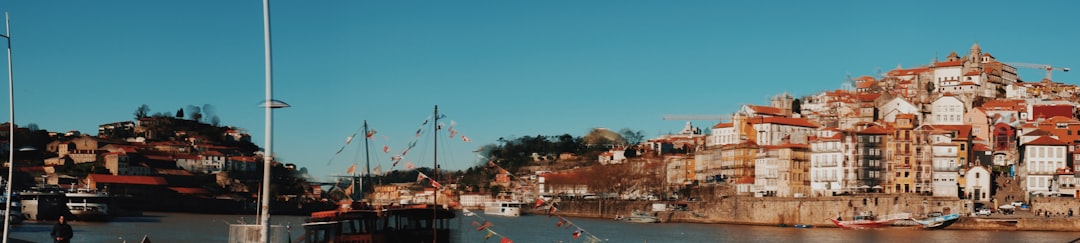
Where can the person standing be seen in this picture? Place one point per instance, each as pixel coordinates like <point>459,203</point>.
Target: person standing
<point>61,232</point>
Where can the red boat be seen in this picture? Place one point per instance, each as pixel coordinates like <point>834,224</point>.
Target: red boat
<point>865,222</point>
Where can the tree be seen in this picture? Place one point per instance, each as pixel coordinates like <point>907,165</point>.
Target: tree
<point>195,112</point>
<point>929,87</point>
<point>632,137</point>
<point>142,112</point>
<point>215,120</point>
<point>180,113</point>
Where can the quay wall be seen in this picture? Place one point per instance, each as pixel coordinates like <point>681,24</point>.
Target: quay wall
<point>813,211</point>
<point>768,210</point>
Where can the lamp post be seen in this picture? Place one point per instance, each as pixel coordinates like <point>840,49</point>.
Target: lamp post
<point>11,131</point>
<point>268,104</point>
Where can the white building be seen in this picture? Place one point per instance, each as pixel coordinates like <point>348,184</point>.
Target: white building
<point>946,110</point>
<point>826,163</point>
<point>1042,157</point>
<point>977,183</point>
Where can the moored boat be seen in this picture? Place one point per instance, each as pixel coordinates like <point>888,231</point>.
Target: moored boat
<point>510,209</point>
<point>43,203</point>
<point>88,204</point>
<point>639,217</point>
<point>868,221</point>
<point>938,221</point>
<point>361,222</point>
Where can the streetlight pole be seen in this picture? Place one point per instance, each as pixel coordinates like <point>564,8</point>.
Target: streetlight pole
<point>264,213</point>
<point>11,131</point>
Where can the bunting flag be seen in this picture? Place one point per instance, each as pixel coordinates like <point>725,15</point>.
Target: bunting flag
<point>484,226</point>
<point>506,240</point>
<point>435,183</point>
<point>420,177</point>
<point>559,224</point>
<point>452,132</point>
<point>439,126</point>
<point>489,234</point>
<point>409,165</point>
<point>577,233</point>
<point>370,134</point>
<point>351,170</point>
<point>551,211</point>
<point>539,202</point>
<point>474,223</point>
<point>466,212</point>
<point>378,169</point>
<point>385,149</point>
<point>466,139</point>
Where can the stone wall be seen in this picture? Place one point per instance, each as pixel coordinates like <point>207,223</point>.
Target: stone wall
<point>1056,206</point>
<point>769,210</point>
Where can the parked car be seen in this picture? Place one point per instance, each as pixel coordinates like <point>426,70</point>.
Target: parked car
<point>983,212</point>
<point>1017,203</point>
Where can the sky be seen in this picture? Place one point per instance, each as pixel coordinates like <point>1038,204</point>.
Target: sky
<point>496,69</point>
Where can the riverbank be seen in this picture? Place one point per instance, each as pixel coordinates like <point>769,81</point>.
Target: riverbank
<point>769,211</point>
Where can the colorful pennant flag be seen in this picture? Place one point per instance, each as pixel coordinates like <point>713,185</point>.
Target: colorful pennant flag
<point>466,139</point>
<point>489,234</point>
<point>409,165</point>
<point>559,224</point>
<point>385,149</point>
<point>351,170</point>
<point>577,233</point>
<point>370,134</point>
<point>435,184</point>
<point>466,212</point>
<point>506,240</point>
<point>484,226</point>
<point>420,177</point>
<point>539,202</point>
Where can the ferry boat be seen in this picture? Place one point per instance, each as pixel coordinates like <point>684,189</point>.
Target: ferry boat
<point>361,222</point>
<point>88,204</point>
<point>509,209</point>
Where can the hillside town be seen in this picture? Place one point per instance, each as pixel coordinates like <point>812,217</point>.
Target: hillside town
<point>966,127</point>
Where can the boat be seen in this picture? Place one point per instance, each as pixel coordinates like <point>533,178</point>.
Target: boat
<point>639,217</point>
<point>868,221</point>
<point>504,208</point>
<point>362,222</point>
<point>938,220</point>
<point>404,221</point>
<point>43,203</point>
<point>88,204</point>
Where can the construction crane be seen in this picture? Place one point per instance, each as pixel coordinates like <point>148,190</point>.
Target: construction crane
<point>1049,69</point>
<point>719,118</point>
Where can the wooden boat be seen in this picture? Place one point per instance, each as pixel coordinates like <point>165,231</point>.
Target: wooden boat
<point>360,222</point>
<point>868,221</point>
<point>938,221</point>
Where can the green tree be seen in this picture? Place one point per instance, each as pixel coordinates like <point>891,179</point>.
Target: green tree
<point>142,112</point>
<point>796,106</point>
<point>632,137</point>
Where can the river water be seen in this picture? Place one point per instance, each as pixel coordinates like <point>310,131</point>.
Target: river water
<point>178,227</point>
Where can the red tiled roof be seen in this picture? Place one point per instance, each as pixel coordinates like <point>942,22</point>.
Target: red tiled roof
<point>766,110</point>
<point>745,180</point>
<point>134,180</point>
<point>972,73</point>
<point>723,125</point>
<point>907,72</point>
<point>1046,140</point>
<point>948,64</point>
<point>799,122</point>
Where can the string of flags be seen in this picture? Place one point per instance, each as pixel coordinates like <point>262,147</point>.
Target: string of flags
<point>540,202</point>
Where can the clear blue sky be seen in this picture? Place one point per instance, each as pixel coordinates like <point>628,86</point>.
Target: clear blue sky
<point>496,68</point>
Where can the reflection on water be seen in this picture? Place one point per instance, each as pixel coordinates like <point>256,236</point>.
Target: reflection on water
<point>175,227</point>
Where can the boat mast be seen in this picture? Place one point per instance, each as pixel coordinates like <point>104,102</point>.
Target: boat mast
<point>367,160</point>
<point>435,170</point>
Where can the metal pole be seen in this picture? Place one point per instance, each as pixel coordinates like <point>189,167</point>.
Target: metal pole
<point>264,214</point>
<point>11,131</point>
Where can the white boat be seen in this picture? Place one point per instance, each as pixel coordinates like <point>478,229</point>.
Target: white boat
<point>510,209</point>
<point>639,217</point>
<point>88,204</point>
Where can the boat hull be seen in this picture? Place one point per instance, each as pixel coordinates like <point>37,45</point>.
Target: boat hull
<point>939,222</point>
<point>863,224</point>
